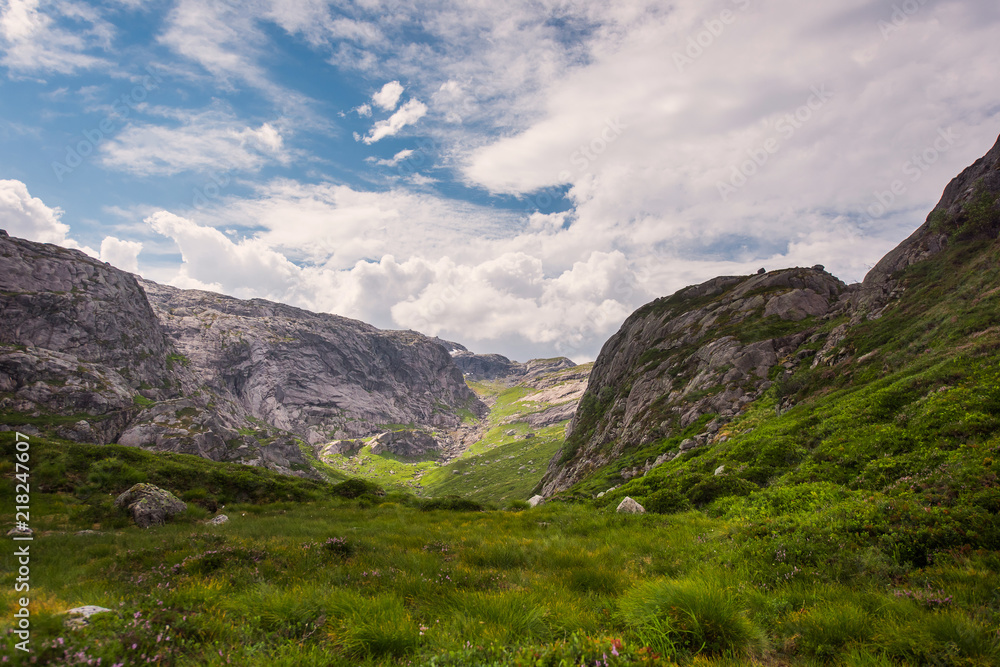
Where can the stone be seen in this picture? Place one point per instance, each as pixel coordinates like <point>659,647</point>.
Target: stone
<point>19,532</point>
<point>218,521</point>
<point>720,470</point>
<point>149,505</point>
<point>78,616</point>
<point>511,432</point>
<point>688,443</point>
<point>629,506</point>
<point>534,501</point>
<point>86,532</point>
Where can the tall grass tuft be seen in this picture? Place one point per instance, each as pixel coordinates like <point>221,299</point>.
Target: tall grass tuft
<point>690,615</point>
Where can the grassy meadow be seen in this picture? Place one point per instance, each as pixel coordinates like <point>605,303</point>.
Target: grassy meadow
<point>351,575</point>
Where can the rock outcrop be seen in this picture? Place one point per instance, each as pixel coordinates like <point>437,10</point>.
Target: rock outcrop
<point>708,349</point>
<point>149,505</point>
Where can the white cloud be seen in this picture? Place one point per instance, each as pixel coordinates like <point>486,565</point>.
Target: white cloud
<point>364,110</point>
<point>28,217</point>
<point>37,40</point>
<point>246,269</point>
<point>121,254</point>
<point>394,160</point>
<point>210,140</point>
<point>388,97</point>
<point>408,114</point>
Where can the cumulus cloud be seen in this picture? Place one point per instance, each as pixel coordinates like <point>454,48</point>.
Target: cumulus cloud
<point>210,260</point>
<point>388,97</point>
<point>408,114</point>
<point>28,217</point>
<point>121,254</point>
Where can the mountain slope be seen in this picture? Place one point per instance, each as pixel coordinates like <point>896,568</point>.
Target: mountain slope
<point>883,411</point>
<point>88,353</point>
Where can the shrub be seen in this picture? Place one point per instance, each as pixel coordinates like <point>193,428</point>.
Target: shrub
<point>356,487</point>
<point>453,503</point>
<point>719,486</point>
<point>666,501</point>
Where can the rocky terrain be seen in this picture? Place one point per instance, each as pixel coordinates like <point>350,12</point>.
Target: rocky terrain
<point>89,353</point>
<point>481,367</point>
<point>709,351</point>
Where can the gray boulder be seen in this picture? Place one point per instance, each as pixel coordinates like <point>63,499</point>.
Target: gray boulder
<point>629,506</point>
<point>150,505</point>
<point>534,501</point>
<point>218,521</point>
<point>78,615</point>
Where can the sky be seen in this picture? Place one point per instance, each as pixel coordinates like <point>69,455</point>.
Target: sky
<point>517,176</point>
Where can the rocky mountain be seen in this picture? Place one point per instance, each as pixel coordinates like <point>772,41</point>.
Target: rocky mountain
<point>478,367</point>
<point>90,353</point>
<point>694,361</point>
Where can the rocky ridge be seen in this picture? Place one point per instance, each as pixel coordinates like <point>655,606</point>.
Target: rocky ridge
<point>709,350</point>
<point>89,353</point>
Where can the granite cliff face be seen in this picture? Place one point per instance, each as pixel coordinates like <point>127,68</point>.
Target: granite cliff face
<point>713,348</point>
<point>90,353</point>
<point>322,377</point>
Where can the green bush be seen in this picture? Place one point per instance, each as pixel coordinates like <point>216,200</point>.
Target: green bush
<point>453,503</point>
<point>357,487</point>
<point>666,501</point>
<point>719,486</point>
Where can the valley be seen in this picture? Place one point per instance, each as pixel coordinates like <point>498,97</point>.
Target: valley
<point>815,465</point>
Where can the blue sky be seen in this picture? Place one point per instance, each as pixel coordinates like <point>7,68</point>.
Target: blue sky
<point>517,177</point>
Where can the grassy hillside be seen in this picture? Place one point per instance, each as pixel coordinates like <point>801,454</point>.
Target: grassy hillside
<point>895,446</point>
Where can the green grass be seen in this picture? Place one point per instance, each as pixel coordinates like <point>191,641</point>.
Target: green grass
<point>559,582</point>
<point>501,468</point>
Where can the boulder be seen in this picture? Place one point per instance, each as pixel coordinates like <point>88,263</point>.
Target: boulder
<point>19,532</point>
<point>78,615</point>
<point>218,521</point>
<point>629,506</point>
<point>150,505</point>
<point>534,501</point>
<point>721,469</point>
